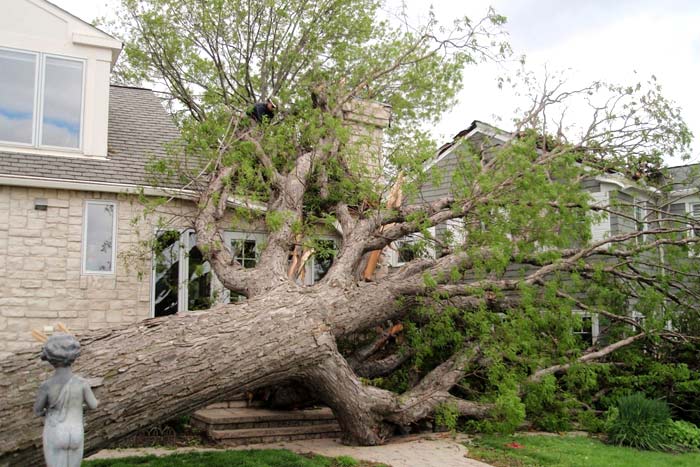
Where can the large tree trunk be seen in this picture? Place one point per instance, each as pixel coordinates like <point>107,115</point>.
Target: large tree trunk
<point>164,367</point>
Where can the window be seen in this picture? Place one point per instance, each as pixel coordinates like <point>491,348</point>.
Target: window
<point>245,248</point>
<point>182,279</point>
<point>41,100</point>
<point>62,101</point>
<point>640,220</point>
<point>17,96</point>
<point>409,248</point>
<point>695,214</point>
<point>199,273</point>
<point>245,252</point>
<point>98,237</point>
<point>166,273</point>
<point>322,260</point>
<point>588,330</point>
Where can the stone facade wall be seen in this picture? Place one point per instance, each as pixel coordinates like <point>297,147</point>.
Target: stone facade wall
<point>40,267</point>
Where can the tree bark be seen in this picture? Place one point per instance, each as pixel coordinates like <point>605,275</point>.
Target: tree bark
<point>164,367</point>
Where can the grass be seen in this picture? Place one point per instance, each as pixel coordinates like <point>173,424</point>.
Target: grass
<point>252,458</point>
<point>569,451</point>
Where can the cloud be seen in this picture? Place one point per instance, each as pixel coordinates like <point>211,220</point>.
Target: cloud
<point>15,129</point>
<point>59,135</point>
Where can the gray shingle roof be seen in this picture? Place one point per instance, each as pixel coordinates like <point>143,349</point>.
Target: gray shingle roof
<point>139,128</point>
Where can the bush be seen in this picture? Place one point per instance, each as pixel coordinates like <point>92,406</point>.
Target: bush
<point>590,422</point>
<point>683,435</point>
<point>507,415</point>
<point>546,406</point>
<point>640,423</point>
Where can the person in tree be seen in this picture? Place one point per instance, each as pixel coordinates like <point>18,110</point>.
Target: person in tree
<point>263,111</point>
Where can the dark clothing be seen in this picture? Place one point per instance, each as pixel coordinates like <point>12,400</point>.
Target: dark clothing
<point>260,112</point>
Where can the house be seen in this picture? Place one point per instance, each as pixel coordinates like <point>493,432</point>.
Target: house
<point>73,156</point>
<point>638,202</point>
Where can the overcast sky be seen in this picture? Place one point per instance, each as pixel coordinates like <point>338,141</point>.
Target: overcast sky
<point>595,39</point>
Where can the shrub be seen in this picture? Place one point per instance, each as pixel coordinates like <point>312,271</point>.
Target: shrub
<point>590,422</point>
<point>508,413</point>
<point>640,423</point>
<point>547,406</point>
<point>683,435</point>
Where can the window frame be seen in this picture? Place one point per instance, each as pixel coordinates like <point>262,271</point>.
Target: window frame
<point>229,236</point>
<point>412,238</point>
<point>595,325</point>
<point>35,104</point>
<point>83,263</point>
<point>310,266</point>
<point>180,267</point>
<point>690,210</point>
<point>641,223</point>
<point>40,97</point>
<point>219,293</point>
<point>38,102</point>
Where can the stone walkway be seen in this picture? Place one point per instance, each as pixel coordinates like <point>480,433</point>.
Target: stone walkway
<point>410,451</point>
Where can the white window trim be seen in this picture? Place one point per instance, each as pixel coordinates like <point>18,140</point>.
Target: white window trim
<point>38,109</point>
<point>691,213</point>
<point>229,235</point>
<point>84,270</point>
<point>640,208</point>
<point>394,258</point>
<point>595,325</point>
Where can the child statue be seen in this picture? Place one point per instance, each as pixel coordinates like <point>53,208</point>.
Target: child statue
<point>60,401</point>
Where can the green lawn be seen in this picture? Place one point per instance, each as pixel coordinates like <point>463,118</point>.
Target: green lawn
<point>570,451</point>
<point>253,458</point>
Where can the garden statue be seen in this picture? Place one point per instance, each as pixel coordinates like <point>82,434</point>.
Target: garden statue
<point>60,400</point>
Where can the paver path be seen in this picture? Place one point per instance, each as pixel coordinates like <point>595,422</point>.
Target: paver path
<point>412,451</point>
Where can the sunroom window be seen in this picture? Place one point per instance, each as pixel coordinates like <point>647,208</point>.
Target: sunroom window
<point>41,100</point>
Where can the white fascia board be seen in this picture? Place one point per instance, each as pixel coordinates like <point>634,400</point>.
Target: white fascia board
<point>493,132</point>
<point>105,187</point>
<point>103,42</point>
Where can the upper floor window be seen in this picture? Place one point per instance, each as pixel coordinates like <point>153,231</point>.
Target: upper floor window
<point>41,99</point>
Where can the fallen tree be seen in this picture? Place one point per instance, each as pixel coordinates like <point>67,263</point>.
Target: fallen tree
<point>520,204</point>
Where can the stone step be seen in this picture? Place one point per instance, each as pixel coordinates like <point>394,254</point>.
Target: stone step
<point>248,418</point>
<point>235,404</point>
<point>275,434</point>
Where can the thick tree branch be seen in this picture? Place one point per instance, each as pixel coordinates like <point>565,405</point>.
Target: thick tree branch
<point>212,204</point>
<point>591,356</point>
<point>384,366</point>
